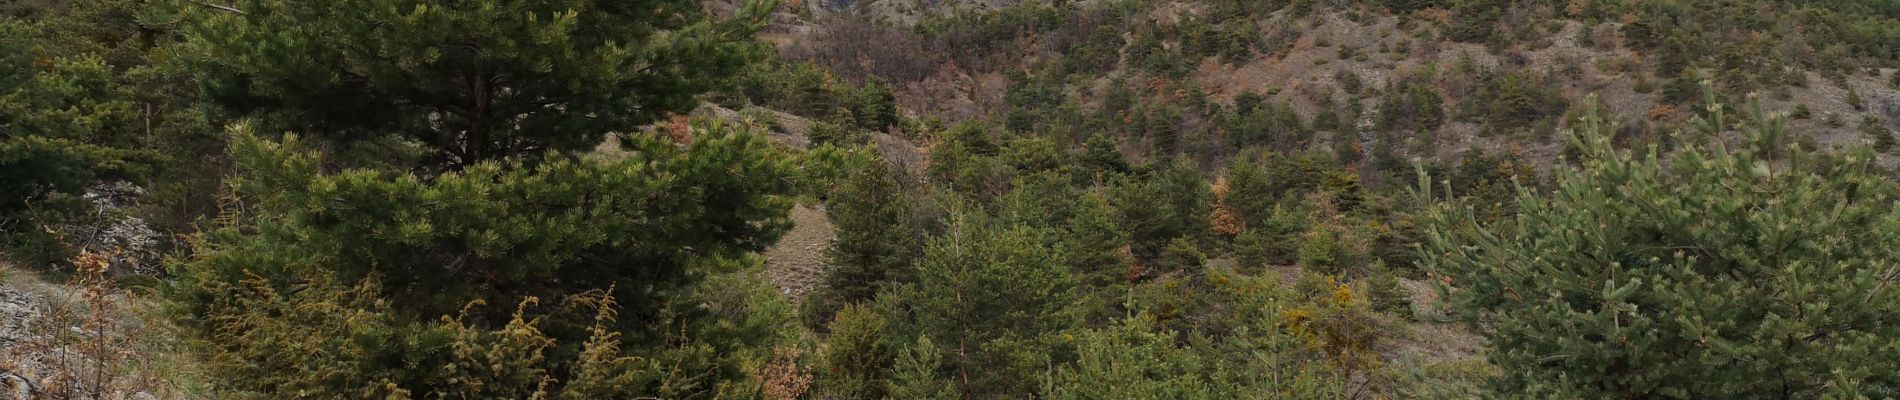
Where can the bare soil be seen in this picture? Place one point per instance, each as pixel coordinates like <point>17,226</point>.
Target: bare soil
<point>797,262</point>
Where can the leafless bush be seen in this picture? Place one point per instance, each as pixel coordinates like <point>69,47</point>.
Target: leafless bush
<point>856,48</point>
<point>77,344</point>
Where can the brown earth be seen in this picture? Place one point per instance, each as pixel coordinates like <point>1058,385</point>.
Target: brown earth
<point>797,262</point>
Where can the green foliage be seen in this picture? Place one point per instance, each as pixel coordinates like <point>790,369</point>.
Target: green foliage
<point>1709,269</point>
<point>1412,103</point>
<point>872,106</point>
<point>66,122</point>
<point>1853,99</point>
<point>342,340</point>
<point>1475,21</point>
<point>999,294</point>
<point>838,130</point>
<point>1382,288</point>
<point>496,233</point>
<point>1334,249</point>
<point>915,374</point>
<point>856,358</point>
<point>1489,182</point>
<point>1171,202</point>
<point>1685,89</point>
<point>1254,248</point>
<point>1259,183</point>
<point>1133,362</point>
<point>1181,254</point>
<point>1100,155</point>
<point>471,81</point>
<point>876,241</point>
<point>1240,349</point>
<point>966,161</point>
<point>1253,122</point>
<point>798,88</point>
<point>1515,100</point>
<point>991,36</point>
<point>1162,127</point>
<point>1881,137</point>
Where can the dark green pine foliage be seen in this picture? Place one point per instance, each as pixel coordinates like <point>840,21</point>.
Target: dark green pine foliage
<point>1173,201</point>
<point>857,357</point>
<point>994,299</point>
<point>877,242</point>
<point>1255,122</point>
<point>966,161</point>
<point>646,227</point>
<point>65,123</point>
<point>1756,271</point>
<point>1093,236</point>
<point>914,374</point>
<point>470,80</point>
<point>1412,103</point>
<point>1101,156</point>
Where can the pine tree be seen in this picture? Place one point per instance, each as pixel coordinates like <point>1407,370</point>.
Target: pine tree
<point>1172,202</point>
<point>470,80</point>
<point>1133,361</point>
<point>856,359</point>
<point>994,296</point>
<point>1093,236</point>
<point>469,243</point>
<point>915,374</point>
<point>1101,156</point>
<point>1716,271</point>
<point>66,122</point>
<point>876,242</point>
<point>1383,290</point>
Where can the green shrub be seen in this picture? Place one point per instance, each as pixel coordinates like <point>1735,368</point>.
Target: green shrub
<point>1853,99</point>
<point>876,241</point>
<point>1180,255</point>
<point>856,358</point>
<point>1000,293</point>
<point>1685,266</point>
<point>1382,288</point>
<point>1412,103</point>
<point>915,374</point>
<point>496,82</point>
<point>463,246</point>
<point>1881,137</point>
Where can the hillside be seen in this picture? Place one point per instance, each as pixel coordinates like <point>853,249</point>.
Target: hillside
<point>962,61</point>
<point>950,199</point>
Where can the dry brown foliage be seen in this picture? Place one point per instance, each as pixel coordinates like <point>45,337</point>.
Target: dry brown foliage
<point>784,379</point>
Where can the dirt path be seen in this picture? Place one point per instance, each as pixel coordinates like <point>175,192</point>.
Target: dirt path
<point>797,262</point>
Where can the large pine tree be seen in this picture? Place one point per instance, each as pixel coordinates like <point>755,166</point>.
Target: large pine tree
<point>468,80</point>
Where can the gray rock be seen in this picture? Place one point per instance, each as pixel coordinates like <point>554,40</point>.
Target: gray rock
<point>131,245</point>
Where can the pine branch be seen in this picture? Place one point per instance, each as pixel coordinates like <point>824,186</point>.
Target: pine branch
<point>219,7</point>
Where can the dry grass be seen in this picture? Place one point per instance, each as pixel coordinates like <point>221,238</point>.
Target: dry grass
<point>89,339</point>
<point>797,262</point>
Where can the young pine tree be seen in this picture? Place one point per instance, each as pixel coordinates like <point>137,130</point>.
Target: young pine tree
<point>469,80</point>
<point>470,244</point>
<point>994,297</point>
<point>856,358</point>
<point>66,122</point>
<point>1758,271</point>
<point>876,242</point>
<point>914,375</point>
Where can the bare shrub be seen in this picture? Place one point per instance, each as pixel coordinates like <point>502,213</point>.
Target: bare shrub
<point>80,342</point>
<point>856,48</point>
